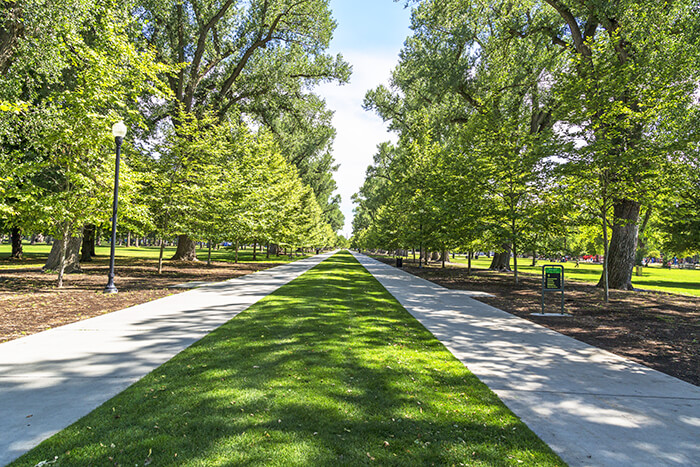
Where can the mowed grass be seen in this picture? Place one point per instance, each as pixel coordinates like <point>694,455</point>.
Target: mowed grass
<point>35,255</point>
<point>678,281</point>
<point>329,370</point>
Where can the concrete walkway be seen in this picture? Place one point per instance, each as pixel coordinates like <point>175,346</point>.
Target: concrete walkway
<point>592,407</point>
<point>51,379</point>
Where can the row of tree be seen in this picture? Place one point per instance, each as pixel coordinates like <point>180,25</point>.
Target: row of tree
<point>226,141</point>
<point>523,121</point>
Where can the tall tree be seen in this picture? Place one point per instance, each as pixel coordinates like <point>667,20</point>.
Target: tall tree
<point>633,68</point>
<point>239,57</point>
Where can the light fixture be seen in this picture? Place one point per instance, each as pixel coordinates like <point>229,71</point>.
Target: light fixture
<point>119,129</point>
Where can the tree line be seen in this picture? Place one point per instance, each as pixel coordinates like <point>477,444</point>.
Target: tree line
<point>227,140</point>
<point>527,125</point>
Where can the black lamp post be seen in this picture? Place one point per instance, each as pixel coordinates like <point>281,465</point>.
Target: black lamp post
<point>119,131</point>
<point>420,255</point>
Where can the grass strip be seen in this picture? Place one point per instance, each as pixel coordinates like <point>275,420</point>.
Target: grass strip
<point>675,281</point>
<point>36,255</point>
<point>328,370</point>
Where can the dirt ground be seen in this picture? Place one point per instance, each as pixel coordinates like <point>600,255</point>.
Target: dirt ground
<point>30,302</point>
<point>659,330</point>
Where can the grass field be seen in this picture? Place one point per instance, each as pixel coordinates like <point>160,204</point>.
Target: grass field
<point>35,255</point>
<point>680,281</point>
<point>329,370</point>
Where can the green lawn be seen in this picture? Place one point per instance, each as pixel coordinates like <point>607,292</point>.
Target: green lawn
<point>329,370</point>
<point>680,281</point>
<point>35,255</point>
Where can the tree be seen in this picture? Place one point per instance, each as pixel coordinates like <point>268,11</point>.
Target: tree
<point>633,68</point>
<point>239,57</point>
<point>98,77</point>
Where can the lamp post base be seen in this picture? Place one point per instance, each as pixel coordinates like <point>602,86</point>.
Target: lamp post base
<point>110,289</point>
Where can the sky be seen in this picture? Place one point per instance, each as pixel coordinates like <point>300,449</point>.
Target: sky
<point>370,34</point>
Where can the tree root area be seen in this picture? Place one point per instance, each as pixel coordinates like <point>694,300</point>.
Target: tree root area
<point>656,329</point>
<point>31,303</point>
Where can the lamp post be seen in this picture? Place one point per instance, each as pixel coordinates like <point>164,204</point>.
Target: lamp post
<point>118,131</point>
<point>420,255</point>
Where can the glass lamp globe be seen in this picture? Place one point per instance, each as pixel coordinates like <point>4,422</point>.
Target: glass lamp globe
<point>119,129</point>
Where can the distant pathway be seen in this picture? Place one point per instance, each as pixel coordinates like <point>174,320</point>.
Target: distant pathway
<point>591,407</point>
<point>51,379</point>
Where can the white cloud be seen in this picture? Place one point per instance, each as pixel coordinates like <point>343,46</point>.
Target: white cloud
<point>359,132</point>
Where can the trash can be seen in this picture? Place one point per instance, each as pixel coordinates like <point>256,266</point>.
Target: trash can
<point>399,262</point>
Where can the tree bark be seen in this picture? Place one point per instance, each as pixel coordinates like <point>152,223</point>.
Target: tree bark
<point>515,263</point>
<point>160,256</point>
<point>186,249</point>
<point>623,244</point>
<point>534,258</point>
<point>11,30</point>
<point>16,235</point>
<point>88,248</point>
<point>501,261</point>
<point>255,247</point>
<point>72,257</point>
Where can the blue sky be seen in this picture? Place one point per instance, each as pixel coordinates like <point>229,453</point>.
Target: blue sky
<point>370,34</point>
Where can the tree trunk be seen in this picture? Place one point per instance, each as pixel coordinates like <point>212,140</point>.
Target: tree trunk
<point>469,263</point>
<point>128,239</point>
<point>445,257</point>
<point>186,249</point>
<point>534,258</point>
<point>160,256</point>
<point>623,244</point>
<point>209,255</point>
<point>515,262</point>
<point>88,248</point>
<point>66,251</point>
<point>267,254</point>
<point>236,261</point>
<point>16,235</point>
<point>604,278</point>
<point>501,261</point>
<point>255,248</point>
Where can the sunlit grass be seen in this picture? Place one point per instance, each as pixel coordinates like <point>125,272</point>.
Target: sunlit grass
<point>679,281</point>
<point>35,255</point>
<point>329,370</point>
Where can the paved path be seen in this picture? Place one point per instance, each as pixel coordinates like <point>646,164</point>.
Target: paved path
<point>51,379</point>
<point>592,407</point>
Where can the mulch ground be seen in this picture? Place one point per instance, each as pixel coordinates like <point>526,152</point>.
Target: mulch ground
<point>30,302</point>
<point>659,330</point>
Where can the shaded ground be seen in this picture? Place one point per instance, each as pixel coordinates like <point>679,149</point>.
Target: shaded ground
<point>659,330</point>
<point>30,303</point>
